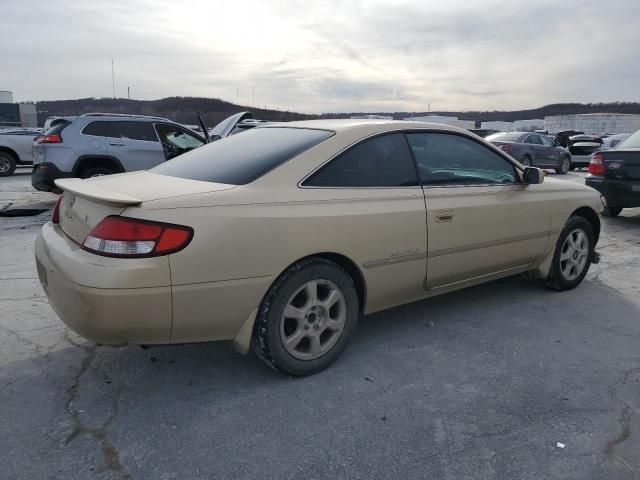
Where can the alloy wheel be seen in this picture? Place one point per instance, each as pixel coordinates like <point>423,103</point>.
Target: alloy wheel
<point>5,165</point>
<point>313,319</point>
<point>574,254</point>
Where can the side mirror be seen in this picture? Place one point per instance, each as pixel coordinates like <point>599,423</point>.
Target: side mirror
<point>532,176</point>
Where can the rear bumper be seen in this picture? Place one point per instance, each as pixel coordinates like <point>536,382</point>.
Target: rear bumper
<point>44,175</point>
<point>105,313</point>
<point>580,160</point>
<point>619,193</point>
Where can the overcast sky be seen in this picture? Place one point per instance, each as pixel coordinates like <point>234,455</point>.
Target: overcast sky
<point>325,56</point>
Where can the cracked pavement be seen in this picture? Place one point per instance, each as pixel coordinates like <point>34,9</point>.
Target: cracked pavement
<point>480,383</point>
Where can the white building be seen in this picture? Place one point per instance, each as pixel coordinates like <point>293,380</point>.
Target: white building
<point>374,117</point>
<point>528,125</point>
<point>443,120</point>
<point>497,125</point>
<point>594,123</point>
<point>6,96</point>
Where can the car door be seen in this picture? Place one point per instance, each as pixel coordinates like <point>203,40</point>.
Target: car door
<point>175,140</point>
<point>538,151</point>
<point>481,219</point>
<point>551,152</point>
<point>134,143</point>
<point>370,197</point>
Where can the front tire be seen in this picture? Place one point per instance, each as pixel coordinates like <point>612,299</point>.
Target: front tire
<point>565,166</point>
<point>573,254</point>
<point>526,161</point>
<point>307,317</point>
<point>7,164</point>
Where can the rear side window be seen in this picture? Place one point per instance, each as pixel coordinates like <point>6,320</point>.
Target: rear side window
<point>632,141</point>
<point>383,161</point>
<point>132,130</point>
<point>99,129</point>
<point>240,159</point>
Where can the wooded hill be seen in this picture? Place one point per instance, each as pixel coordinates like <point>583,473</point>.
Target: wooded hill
<point>183,110</point>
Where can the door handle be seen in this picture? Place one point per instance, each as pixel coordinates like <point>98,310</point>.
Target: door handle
<point>444,216</point>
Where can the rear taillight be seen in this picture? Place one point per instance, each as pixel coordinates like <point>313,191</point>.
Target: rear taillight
<point>131,237</point>
<point>55,216</point>
<point>505,148</point>
<point>49,139</point>
<point>596,165</point>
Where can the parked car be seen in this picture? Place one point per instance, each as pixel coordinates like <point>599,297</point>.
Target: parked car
<point>283,236</point>
<point>612,141</point>
<point>533,149</point>
<point>563,136</point>
<point>51,122</point>
<point>616,175</point>
<point>15,149</point>
<point>581,148</point>
<point>105,143</point>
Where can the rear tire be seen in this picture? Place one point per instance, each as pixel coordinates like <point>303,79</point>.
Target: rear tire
<point>573,254</point>
<point>610,211</point>
<point>96,172</point>
<point>306,318</point>
<point>7,164</point>
<point>565,166</point>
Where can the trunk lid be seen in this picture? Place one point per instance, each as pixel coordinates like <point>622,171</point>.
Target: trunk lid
<point>86,202</point>
<point>622,164</point>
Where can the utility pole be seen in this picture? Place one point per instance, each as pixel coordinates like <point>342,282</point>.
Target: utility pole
<point>113,79</point>
<point>253,100</point>
<point>128,93</point>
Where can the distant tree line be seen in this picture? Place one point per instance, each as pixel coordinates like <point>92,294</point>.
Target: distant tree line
<point>180,109</point>
<point>183,110</point>
<point>510,116</point>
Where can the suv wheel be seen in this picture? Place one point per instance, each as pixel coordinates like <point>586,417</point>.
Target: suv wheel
<point>7,164</point>
<point>572,258</point>
<point>307,317</point>
<point>96,172</point>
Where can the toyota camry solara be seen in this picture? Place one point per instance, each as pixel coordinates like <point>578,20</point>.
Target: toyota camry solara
<point>280,238</point>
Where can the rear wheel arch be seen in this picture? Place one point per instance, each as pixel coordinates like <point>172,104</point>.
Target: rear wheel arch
<point>11,152</point>
<point>591,216</point>
<point>345,263</point>
<point>93,161</point>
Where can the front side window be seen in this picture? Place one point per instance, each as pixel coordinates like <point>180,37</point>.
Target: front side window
<point>176,141</point>
<point>383,161</point>
<point>132,131</point>
<point>546,141</point>
<point>533,139</point>
<point>448,159</point>
<point>240,159</point>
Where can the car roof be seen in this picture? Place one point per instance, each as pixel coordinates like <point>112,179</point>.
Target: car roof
<point>364,125</point>
<point>108,116</point>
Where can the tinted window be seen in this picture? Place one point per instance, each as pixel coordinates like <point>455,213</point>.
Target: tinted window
<point>446,159</point>
<point>383,161</point>
<point>533,139</point>
<point>132,131</point>
<point>240,159</point>
<point>99,129</point>
<point>504,137</point>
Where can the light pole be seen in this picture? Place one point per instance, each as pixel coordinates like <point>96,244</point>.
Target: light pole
<point>113,79</point>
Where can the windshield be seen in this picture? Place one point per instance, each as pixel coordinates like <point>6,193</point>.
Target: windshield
<point>240,159</point>
<point>504,137</point>
<point>632,141</point>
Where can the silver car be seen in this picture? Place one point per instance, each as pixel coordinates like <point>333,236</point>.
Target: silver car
<point>101,144</point>
<point>533,149</point>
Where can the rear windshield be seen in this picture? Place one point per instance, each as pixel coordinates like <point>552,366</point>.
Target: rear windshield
<point>632,141</point>
<point>240,159</point>
<point>504,137</point>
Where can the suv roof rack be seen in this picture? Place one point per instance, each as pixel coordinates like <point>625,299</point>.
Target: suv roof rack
<point>126,115</point>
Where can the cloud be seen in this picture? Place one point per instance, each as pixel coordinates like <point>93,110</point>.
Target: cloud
<point>346,55</point>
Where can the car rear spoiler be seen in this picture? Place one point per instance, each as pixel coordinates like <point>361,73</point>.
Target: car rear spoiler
<point>91,191</point>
